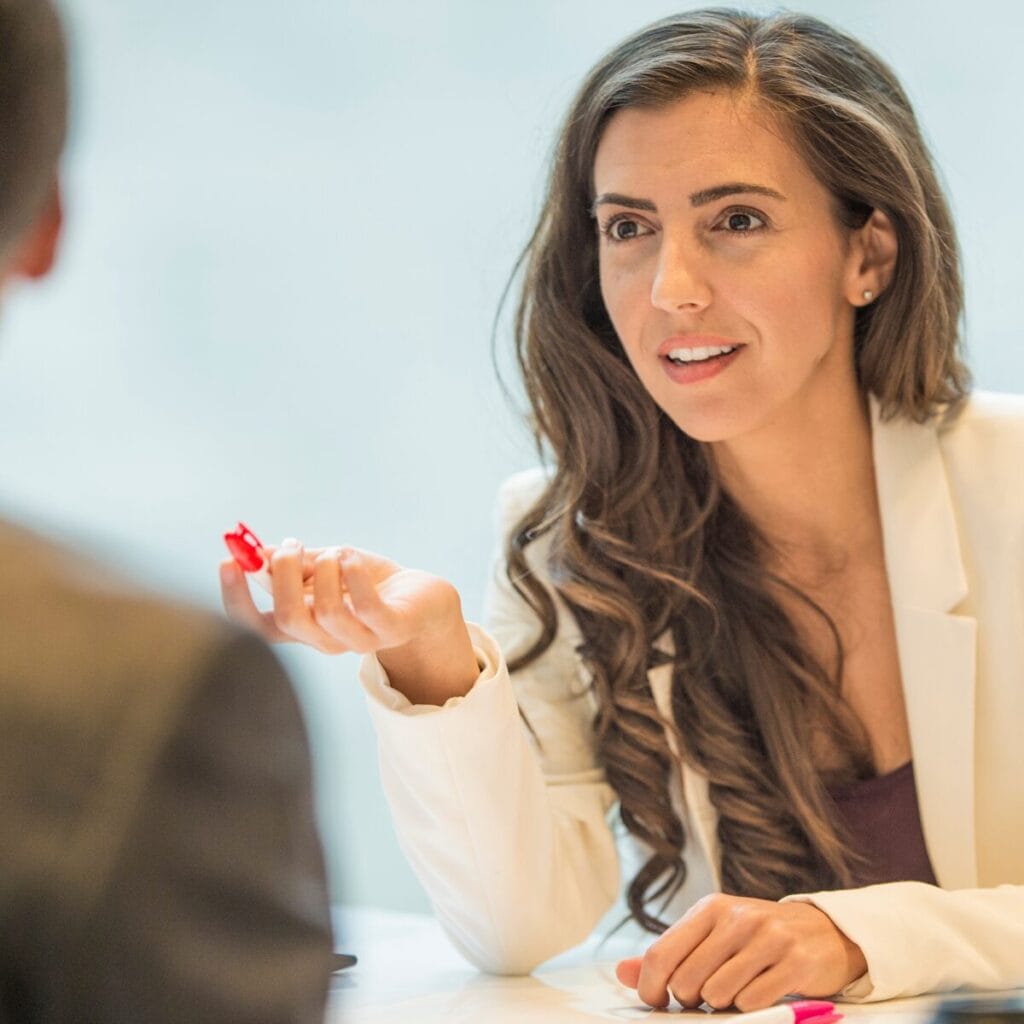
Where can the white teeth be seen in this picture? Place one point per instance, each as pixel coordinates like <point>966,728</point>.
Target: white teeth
<point>696,355</point>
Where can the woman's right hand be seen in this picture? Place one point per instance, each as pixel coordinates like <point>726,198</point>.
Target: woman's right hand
<point>345,599</point>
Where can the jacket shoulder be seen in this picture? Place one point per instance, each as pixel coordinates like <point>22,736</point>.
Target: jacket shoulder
<point>982,450</point>
<point>993,408</point>
<point>986,433</point>
<point>68,616</point>
<point>518,493</point>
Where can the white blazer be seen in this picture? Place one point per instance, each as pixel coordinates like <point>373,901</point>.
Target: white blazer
<point>512,841</point>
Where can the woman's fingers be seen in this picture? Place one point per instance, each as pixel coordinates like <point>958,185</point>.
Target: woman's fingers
<point>628,971</point>
<point>360,570</point>
<point>719,978</point>
<point>332,611</point>
<point>666,954</point>
<point>338,599</point>
<point>714,972</point>
<point>309,555</point>
<point>292,612</point>
<point>766,989</point>
<point>238,603</point>
<point>375,567</point>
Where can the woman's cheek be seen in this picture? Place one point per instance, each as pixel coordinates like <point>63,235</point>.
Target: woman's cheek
<point>627,301</point>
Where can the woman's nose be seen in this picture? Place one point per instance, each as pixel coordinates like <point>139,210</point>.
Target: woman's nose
<point>680,281</point>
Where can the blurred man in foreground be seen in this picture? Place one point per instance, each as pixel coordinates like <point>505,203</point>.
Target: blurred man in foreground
<point>159,860</point>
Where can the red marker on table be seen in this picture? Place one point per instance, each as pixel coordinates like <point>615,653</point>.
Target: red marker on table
<point>800,1011</point>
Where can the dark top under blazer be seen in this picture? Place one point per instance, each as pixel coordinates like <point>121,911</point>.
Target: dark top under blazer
<point>159,859</point>
<point>882,819</point>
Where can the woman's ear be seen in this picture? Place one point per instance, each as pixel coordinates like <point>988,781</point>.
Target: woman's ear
<point>873,251</point>
<point>35,252</point>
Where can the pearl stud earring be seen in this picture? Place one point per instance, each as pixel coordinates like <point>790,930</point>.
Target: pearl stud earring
<point>868,295</point>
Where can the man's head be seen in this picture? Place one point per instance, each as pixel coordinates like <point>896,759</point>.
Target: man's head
<point>33,123</point>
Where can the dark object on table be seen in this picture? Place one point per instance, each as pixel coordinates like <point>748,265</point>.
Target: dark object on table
<point>981,1011</point>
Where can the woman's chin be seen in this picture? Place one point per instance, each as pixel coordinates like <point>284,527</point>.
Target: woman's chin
<point>710,429</point>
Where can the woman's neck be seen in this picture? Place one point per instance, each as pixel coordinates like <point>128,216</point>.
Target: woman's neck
<point>807,481</point>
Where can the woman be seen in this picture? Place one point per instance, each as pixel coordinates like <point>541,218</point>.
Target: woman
<point>770,599</point>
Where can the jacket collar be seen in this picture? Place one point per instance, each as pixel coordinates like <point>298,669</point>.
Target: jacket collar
<point>922,549</point>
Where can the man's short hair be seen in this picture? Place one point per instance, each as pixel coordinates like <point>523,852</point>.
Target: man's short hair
<point>33,111</point>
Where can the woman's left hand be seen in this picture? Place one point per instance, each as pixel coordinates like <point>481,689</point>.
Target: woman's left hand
<point>732,951</point>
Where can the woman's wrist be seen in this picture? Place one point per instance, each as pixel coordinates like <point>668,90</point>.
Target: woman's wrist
<point>437,664</point>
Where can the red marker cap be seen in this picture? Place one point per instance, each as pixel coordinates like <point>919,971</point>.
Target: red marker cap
<point>245,547</point>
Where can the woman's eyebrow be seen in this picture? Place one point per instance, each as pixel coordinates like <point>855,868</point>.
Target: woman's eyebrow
<point>618,199</point>
<point>705,195</point>
<point>709,195</point>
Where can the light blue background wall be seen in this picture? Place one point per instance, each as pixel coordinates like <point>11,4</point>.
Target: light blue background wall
<point>288,228</point>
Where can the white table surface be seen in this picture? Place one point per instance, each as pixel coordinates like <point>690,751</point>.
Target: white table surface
<point>409,971</point>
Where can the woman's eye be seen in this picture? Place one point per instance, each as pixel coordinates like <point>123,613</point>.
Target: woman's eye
<point>742,222</point>
<point>623,229</point>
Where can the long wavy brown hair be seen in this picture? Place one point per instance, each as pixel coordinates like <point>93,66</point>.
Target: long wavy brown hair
<point>644,540</point>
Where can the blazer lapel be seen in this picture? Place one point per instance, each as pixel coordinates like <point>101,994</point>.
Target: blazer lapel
<point>936,647</point>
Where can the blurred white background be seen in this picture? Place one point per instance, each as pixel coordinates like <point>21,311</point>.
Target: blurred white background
<point>288,231</point>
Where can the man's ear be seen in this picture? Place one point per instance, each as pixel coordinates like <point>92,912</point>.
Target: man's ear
<point>36,251</point>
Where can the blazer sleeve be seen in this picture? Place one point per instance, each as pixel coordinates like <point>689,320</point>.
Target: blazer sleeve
<point>216,908</point>
<point>918,938</point>
<point>507,831</point>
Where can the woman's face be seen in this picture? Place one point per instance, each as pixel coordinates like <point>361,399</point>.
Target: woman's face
<point>714,235</point>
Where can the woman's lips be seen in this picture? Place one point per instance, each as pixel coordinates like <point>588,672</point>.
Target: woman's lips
<point>705,369</point>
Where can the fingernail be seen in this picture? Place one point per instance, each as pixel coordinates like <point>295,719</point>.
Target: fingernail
<point>290,542</point>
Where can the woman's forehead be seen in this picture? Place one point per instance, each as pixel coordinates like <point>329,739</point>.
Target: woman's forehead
<point>693,143</point>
